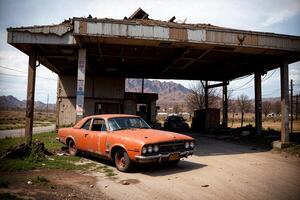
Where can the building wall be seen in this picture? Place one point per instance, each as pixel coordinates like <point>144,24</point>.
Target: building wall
<point>97,90</point>
<point>130,106</point>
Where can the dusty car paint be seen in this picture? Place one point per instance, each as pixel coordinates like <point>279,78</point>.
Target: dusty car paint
<point>103,142</point>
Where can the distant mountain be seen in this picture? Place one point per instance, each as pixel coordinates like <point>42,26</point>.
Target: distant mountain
<point>170,93</point>
<point>12,103</point>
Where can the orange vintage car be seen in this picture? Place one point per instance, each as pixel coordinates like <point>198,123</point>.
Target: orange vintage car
<point>126,140</point>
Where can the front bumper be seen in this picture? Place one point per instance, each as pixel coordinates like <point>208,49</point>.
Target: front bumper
<point>161,157</point>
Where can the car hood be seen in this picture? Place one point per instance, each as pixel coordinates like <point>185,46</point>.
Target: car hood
<point>150,136</point>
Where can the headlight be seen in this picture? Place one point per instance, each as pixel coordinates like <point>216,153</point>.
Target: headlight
<point>192,144</point>
<point>156,148</point>
<point>144,150</point>
<point>150,148</point>
<point>187,145</point>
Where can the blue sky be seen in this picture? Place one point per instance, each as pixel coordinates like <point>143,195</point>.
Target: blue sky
<point>279,16</point>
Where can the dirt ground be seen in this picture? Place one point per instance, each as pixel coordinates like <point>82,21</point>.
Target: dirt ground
<point>62,185</point>
<point>218,170</point>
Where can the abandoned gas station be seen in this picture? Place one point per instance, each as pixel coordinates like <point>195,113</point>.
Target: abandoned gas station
<point>93,57</point>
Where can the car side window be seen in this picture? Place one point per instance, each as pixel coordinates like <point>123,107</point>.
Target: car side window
<point>98,125</point>
<point>86,125</point>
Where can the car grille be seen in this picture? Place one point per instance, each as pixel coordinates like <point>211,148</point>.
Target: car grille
<point>171,147</point>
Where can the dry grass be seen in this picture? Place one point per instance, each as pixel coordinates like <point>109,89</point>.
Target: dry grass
<point>16,119</point>
<point>249,118</point>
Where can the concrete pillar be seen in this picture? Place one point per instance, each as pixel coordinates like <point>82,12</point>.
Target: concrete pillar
<point>30,97</point>
<point>225,105</point>
<point>258,102</point>
<point>80,84</point>
<point>284,80</point>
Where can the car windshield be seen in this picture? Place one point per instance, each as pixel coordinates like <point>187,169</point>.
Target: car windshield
<point>120,123</point>
<point>175,119</point>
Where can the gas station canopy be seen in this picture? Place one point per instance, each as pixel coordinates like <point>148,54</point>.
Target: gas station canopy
<point>138,47</point>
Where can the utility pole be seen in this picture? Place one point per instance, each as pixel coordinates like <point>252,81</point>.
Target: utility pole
<point>291,106</point>
<point>47,104</point>
<point>297,96</point>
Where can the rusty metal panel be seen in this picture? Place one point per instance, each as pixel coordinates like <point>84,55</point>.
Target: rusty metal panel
<point>138,31</point>
<point>161,32</point>
<point>82,27</point>
<point>251,40</point>
<point>279,43</point>
<point>28,38</point>
<point>178,34</point>
<point>196,35</point>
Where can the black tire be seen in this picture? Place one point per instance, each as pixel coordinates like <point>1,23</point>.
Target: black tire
<point>173,163</point>
<point>73,151</point>
<point>122,161</point>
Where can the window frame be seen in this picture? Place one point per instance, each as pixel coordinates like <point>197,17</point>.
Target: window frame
<point>86,121</point>
<point>97,118</point>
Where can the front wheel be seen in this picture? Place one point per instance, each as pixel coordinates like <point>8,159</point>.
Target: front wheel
<point>173,163</point>
<point>72,148</point>
<point>122,161</point>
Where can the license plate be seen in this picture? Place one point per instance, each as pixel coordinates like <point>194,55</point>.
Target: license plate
<point>174,156</point>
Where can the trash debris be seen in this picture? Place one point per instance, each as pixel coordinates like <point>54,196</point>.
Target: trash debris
<point>245,133</point>
<point>72,195</point>
<point>204,185</point>
<point>61,154</point>
<point>24,150</point>
<point>91,186</point>
<point>124,182</point>
<point>29,182</point>
<point>43,164</point>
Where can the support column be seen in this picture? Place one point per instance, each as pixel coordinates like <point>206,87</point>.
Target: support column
<point>30,97</point>
<point>225,105</point>
<point>206,95</point>
<point>284,80</point>
<point>142,85</point>
<point>80,84</point>
<point>258,103</point>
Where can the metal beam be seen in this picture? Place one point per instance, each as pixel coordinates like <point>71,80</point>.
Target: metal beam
<point>30,97</point>
<point>218,85</point>
<point>194,60</point>
<point>206,95</point>
<point>258,102</point>
<point>225,105</point>
<point>284,82</point>
<point>180,57</point>
<point>80,84</point>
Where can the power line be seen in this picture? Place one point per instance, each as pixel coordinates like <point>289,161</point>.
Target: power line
<point>22,72</point>
<point>19,75</point>
<point>241,87</point>
<point>270,75</point>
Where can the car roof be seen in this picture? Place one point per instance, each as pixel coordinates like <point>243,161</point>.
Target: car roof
<point>103,116</point>
<point>107,116</point>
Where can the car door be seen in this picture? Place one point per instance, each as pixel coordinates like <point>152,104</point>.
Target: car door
<point>83,136</point>
<point>98,136</point>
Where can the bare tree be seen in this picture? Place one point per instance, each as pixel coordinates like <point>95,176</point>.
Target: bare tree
<point>196,98</point>
<point>231,105</point>
<point>177,108</point>
<point>244,105</point>
<point>276,107</point>
<point>266,107</point>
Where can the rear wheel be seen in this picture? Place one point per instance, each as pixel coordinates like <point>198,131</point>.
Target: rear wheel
<point>72,148</point>
<point>122,161</point>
